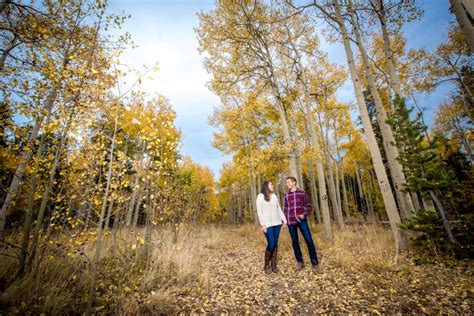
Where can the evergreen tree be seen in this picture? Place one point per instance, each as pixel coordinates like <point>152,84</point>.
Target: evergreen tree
<point>425,171</point>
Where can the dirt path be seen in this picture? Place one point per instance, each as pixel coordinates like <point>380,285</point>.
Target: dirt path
<point>237,283</point>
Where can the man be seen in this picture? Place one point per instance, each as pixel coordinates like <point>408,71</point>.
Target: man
<point>297,207</point>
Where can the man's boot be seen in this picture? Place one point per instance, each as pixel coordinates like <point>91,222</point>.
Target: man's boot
<point>268,256</point>
<point>274,260</point>
<point>299,266</point>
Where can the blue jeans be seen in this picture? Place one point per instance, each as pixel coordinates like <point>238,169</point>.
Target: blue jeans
<point>272,235</point>
<point>304,228</point>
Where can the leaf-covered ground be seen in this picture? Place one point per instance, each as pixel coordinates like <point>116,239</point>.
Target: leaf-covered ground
<point>353,280</point>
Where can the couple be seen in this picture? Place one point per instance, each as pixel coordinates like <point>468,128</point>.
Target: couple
<point>297,207</point>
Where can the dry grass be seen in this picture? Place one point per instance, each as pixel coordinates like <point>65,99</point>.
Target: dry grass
<point>49,289</point>
<point>177,269</point>
<point>131,279</point>
<point>360,247</point>
<point>247,230</point>
<point>356,247</point>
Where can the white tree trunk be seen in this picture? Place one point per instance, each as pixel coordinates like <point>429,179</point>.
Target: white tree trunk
<point>363,202</point>
<point>394,83</point>
<point>382,178</point>
<point>444,218</point>
<point>6,52</point>
<point>330,177</point>
<point>299,171</point>
<point>131,207</point>
<point>463,20</point>
<point>344,191</point>
<point>45,197</point>
<point>314,191</point>
<point>95,259</point>
<point>404,198</point>
<point>293,170</point>
<point>427,202</point>
<point>338,189</point>
<point>253,196</point>
<point>332,193</point>
<point>324,206</point>
<point>25,159</point>
<point>340,164</point>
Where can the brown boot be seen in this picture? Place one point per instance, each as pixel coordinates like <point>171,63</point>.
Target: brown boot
<point>317,268</point>
<point>268,256</point>
<point>274,260</point>
<point>299,266</point>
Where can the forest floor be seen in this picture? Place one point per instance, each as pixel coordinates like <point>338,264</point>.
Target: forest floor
<point>214,269</point>
<point>359,275</point>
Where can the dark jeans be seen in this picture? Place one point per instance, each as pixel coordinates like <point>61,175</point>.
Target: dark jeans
<point>272,235</point>
<point>304,228</point>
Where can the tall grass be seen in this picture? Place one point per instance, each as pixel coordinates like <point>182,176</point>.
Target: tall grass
<point>138,277</point>
<point>134,277</point>
<point>360,247</point>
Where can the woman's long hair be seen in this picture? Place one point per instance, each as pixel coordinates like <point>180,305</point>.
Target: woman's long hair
<point>266,190</point>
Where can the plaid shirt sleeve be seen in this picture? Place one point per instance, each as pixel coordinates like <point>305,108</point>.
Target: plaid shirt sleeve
<point>285,205</point>
<point>306,204</point>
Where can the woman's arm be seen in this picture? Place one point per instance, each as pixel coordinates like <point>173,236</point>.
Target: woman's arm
<point>260,209</point>
<point>280,211</point>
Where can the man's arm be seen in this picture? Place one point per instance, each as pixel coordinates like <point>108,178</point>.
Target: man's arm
<point>285,204</point>
<point>306,205</point>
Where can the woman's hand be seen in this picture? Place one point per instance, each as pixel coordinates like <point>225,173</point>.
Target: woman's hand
<point>284,225</point>
<point>264,229</point>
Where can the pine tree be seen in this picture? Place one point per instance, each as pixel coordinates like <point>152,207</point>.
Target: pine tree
<point>425,171</point>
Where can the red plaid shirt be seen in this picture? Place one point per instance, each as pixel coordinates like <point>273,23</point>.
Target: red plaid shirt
<point>295,204</point>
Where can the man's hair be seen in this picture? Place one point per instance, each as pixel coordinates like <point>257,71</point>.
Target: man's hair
<point>293,179</point>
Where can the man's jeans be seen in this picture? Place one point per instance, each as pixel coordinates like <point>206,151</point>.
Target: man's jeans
<point>304,228</point>
<point>272,235</point>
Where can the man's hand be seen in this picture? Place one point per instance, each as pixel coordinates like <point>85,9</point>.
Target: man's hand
<point>284,226</point>
<point>301,216</point>
<point>264,229</point>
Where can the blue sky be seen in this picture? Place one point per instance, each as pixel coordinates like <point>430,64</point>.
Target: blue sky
<point>163,30</point>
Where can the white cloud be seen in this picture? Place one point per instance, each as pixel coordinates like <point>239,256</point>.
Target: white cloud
<point>163,30</point>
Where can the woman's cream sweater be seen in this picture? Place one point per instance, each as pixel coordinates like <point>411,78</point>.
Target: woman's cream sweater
<point>269,213</point>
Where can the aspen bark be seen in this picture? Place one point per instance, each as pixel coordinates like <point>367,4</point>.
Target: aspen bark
<point>6,51</point>
<point>359,187</point>
<point>48,106</point>
<point>95,259</point>
<point>464,22</point>
<point>344,190</point>
<point>314,192</point>
<point>293,169</point>
<point>29,214</point>
<point>338,187</point>
<point>444,218</point>
<point>25,159</point>
<point>394,83</point>
<point>131,207</point>
<point>253,197</point>
<point>319,165</point>
<point>330,177</point>
<point>404,198</point>
<point>45,197</point>
<point>332,193</point>
<point>323,202</point>
<point>382,177</point>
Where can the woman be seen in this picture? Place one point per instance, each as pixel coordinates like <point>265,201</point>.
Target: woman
<point>271,218</point>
